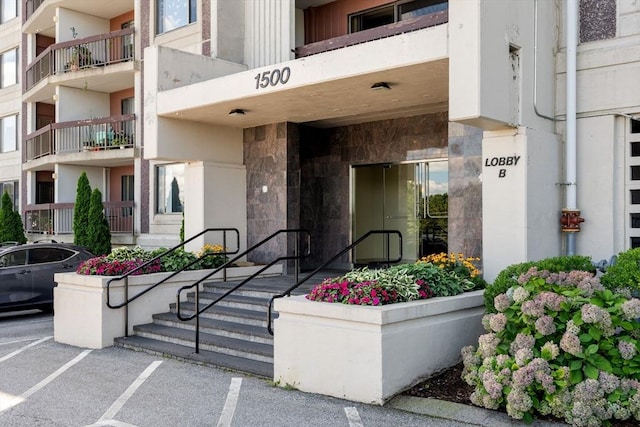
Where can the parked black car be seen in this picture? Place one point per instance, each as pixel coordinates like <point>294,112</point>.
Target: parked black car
<point>26,272</point>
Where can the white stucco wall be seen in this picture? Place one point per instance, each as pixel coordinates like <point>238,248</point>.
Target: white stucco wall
<point>66,182</point>
<point>83,24</point>
<point>78,104</point>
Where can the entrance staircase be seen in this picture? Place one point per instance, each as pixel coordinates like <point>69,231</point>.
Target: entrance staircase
<point>233,333</point>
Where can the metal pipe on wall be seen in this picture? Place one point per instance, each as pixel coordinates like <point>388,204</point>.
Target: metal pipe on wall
<point>570,137</point>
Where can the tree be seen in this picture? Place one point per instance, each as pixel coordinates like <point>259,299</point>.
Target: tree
<point>81,210</point>
<point>11,227</point>
<point>98,231</point>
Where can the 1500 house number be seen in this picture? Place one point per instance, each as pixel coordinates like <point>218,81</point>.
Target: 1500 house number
<point>273,77</point>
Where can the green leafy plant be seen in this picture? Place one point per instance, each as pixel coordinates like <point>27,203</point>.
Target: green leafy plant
<point>11,227</point>
<point>625,273</point>
<point>560,344</point>
<point>508,277</point>
<point>98,231</point>
<point>211,256</point>
<point>81,210</point>
<point>176,260</point>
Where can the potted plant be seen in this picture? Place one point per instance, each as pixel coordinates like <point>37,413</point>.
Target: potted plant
<point>80,58</point>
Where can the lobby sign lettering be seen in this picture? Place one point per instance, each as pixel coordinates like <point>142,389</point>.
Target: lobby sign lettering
<point>272,77</point>
<point>501,161</point>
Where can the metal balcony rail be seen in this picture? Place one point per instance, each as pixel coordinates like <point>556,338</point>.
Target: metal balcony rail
<point>95,51</point>
<point>57,218</point>
<point>297,256</point>
<point>381,32</point>
<point>389,261</point>
<point>82,135</point>
<point>125,277</point>
<point>32,5</point>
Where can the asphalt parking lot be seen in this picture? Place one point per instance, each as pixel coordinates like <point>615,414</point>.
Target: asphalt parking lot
<point>43,383</point>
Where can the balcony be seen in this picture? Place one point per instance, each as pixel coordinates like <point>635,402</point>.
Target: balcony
<point>90,52</point>
<point>381,32</point>
<point>81,136</point>
<point>57,218</point>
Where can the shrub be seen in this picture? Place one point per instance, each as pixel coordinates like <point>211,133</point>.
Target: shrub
<point>176,260</point>
<point>103,266</point>
<point>562,345</point>
<point>211,256</point>
<point>81,210</point>
<point>98,232</point>
<point>508,277</point>
<point>625,273</point>
<point>11,227</point>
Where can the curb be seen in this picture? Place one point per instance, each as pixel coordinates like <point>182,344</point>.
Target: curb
<point>468,414</point>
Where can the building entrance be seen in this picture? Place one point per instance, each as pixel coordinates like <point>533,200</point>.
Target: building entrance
<point>409,197</point>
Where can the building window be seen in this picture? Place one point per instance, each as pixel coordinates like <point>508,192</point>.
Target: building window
<point>169,188</point>
<point>8,10</point>
<point>597,20</point>
<point>10,187</point>
<point>172,14</point>
<point>8,135</point>
<point>398,11</point>
<point>9,62</point>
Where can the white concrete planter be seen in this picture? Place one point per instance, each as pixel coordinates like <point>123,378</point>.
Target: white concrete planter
<point>369,354</point>
<point>83,319</point>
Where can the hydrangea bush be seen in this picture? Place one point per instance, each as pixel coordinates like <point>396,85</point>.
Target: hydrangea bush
<point>123,260</point>
<point>560,344</point>
<point>440,276</point>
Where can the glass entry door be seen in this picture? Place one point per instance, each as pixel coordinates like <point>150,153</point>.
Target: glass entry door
<point>408,197</point>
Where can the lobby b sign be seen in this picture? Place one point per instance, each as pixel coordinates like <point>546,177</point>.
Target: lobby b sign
<point>501,162</point>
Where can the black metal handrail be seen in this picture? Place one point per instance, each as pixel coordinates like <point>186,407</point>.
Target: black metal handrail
<point>335,257</point>
<point>297,256</point>
<point>125,277</point>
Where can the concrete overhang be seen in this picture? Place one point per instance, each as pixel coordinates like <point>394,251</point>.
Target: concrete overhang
<point>328,89</point>
<point>41,20</point>
<point>103,158</point>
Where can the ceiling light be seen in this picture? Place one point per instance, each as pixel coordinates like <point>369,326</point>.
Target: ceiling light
<point>380,85</point>
<point>236,112</point>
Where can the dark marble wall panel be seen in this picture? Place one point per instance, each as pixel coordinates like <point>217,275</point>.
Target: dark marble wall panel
<point>597,20</point>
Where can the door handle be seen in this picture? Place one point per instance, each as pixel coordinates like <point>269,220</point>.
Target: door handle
<point>25,272</point>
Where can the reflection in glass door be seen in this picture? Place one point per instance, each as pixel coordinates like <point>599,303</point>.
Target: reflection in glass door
<point>408,197</point>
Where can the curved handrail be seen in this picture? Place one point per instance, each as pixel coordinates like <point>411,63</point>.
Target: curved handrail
<point>324,265</point>
<point>173,274</point>
<point>199,310</point>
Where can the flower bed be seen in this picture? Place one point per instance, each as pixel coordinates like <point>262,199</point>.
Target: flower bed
<point>560,344</point>
<point>383,331</point>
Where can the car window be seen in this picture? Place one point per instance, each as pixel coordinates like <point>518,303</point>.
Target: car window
<point>13,259</point>
<point>42,255</point>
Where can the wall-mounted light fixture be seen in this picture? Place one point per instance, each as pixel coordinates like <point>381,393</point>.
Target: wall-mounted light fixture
<point>380,86</point>
<point>236,112</point>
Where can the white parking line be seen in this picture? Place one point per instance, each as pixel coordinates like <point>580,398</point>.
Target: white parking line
<point>231,403</point>
<point>353,417</point>
<point>20,350</point>
<point>118,404</point>
<point>19,341</point>
<point>11,401</point>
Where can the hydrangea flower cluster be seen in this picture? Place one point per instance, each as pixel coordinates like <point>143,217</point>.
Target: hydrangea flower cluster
<point>560,345</point>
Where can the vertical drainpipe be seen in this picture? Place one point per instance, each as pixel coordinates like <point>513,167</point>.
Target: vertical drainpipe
<point>570,214</point>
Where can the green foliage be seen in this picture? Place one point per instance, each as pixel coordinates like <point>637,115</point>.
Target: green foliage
<point>128,254</point>
<point>563,345</point>
<point>625,273</point>
<point>182,229</point>
<point>508,277</point>
<point>98,231</point>
<point>81,211</point>
<point>176,260</point>
<point>11,227</point>
<point>442,282</point>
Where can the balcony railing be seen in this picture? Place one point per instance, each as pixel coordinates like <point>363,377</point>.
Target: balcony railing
<point>364,36</point>
<point>57,218</point>
<point>32,5</point>
<point>82,135</point>
<point>73,55</point>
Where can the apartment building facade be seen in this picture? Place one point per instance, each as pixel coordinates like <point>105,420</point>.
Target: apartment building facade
<point>443,120</point>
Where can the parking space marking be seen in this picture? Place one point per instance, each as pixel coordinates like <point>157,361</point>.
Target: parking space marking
<point>19,341</point>
<point>112,423</point>
<point>118,404</point>
<point>353,417</point>
<point>230,404</point>
<point>43,383</point>
<point>20,350</point>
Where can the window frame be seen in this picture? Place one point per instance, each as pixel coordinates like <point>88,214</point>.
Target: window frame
<point>394,8</point>
<point>15,194</point>
<point>15,71</point>
<point>191,12</point>
<point>3,19</point>
<point>161,192</point>
<point>3,145</point>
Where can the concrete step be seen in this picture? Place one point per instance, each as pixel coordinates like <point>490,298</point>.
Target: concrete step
<point>236,301</point>
<point>205,357</point>
<point>228,314</point>
<point>217,327</point>
<point>234,347</point>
